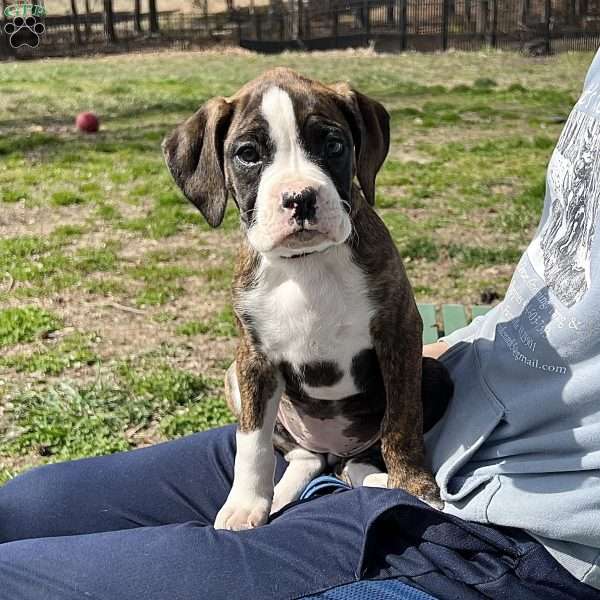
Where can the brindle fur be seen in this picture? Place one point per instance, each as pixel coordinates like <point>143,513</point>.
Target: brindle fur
<point>196,156</point>
<point>389,375</point>
<point>396,331</point>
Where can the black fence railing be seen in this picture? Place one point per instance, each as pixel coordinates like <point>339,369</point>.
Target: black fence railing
<point>537,27</point>
<point>533,26</point>
<point>65,36</point>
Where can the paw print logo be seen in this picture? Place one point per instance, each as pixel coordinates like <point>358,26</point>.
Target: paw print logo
<point>24,32</point>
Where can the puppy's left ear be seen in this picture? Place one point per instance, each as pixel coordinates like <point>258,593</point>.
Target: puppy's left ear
<point>194,155</point>
<point>370,124</point>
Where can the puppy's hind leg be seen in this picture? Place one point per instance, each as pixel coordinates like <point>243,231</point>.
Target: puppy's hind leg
<point>303,467</point>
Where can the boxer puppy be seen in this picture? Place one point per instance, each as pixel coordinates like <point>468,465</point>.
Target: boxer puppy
<point>328,366</point>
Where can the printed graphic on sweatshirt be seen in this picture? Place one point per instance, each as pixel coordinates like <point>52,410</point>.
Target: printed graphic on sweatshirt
<point>574,188</point>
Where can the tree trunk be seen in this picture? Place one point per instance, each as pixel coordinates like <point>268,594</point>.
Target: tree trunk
<point>75,20</point>
<point>109,21</point>
<point>137,18</point>
<point>153,16</point>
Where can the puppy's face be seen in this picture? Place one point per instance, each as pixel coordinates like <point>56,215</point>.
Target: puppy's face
<point>290,171</point>
<point>286,149</point>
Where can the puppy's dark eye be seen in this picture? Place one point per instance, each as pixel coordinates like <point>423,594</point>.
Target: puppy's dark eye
<point>334,148</point>
<point>248,155</point>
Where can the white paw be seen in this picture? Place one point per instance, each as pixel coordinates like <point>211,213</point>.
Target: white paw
<point>236,515</point>
<point>282,498</point>
<point>376,480</point>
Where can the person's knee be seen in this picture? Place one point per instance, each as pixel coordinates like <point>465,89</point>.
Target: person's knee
<point>29,500</point>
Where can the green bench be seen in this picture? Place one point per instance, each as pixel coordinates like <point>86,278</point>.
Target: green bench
<point>452,317</point>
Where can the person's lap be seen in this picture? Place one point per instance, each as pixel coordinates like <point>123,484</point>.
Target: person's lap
<point>137,526</point>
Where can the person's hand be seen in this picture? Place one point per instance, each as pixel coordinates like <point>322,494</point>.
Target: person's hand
<point>435,350</point>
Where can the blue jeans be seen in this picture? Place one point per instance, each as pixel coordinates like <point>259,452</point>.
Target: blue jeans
<point>137,526</point>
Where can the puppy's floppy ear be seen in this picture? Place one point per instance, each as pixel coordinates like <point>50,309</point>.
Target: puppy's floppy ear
<point>194,155</point>
<point>370,124</point>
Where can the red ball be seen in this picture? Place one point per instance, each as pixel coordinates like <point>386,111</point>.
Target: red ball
<point>88,122</point>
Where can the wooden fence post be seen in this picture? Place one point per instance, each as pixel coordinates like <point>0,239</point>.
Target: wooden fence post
<point>75,22</point>
<point>572,11</point>
<point>402,24</point>
<point>281,18</point>
<point>389,17</point>
<point>494,39</point>
<point>109,21</point>
<point>153,16</point>
<point>548,26</point>
<point>482,18</point>
<point>445,13</point>
<point>335,25</point>
<point>366,12</point>
<point>524,12</point>
<point>257,27</point>
<point>137,18</point>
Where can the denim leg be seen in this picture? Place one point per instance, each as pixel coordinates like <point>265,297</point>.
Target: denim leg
<point>179,481</point>
<point>312,546</point>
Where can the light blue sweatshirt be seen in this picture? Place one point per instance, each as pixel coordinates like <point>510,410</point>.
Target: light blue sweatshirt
<point>520,444</point>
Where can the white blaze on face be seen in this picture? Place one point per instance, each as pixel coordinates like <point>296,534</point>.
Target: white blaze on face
<point>292,171</point>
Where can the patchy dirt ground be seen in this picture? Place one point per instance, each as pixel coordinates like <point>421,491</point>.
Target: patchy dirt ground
<point>115,325</point>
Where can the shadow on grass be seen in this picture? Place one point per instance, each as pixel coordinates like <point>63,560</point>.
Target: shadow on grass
<point>186,105</point>
<point>141,138</point>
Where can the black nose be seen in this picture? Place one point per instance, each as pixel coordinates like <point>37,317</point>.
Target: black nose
<point>303,203</point>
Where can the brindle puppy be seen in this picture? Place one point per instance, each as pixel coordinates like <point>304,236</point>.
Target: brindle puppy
<point>330,337</point>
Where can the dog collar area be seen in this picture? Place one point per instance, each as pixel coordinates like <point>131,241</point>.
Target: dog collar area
<point>300,255</point>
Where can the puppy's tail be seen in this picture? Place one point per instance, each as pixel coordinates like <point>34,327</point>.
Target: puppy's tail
<point>436,391</point>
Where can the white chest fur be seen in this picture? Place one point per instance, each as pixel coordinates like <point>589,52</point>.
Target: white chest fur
<point>312,309</point>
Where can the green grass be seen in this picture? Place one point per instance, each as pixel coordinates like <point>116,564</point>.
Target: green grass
<point>68,420</point>
<point>73,352</point>
<point>161,283</point>
<point>95,231</point>
<point>222,325</point>
<point>12,196</point>
<point>20,325</point>
<point>65,198</point>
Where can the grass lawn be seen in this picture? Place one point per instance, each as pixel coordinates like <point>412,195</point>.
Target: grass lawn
<point>115,327</point>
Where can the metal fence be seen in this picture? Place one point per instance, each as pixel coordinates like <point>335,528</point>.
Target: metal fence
<point>536,27</point>
<point>533,26</point>
<point>64,36</point>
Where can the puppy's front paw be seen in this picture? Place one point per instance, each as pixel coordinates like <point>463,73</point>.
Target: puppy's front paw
<point>236,515</point>
<point>431,496</point>
<point>429,493</point>
<point>422,485</point>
